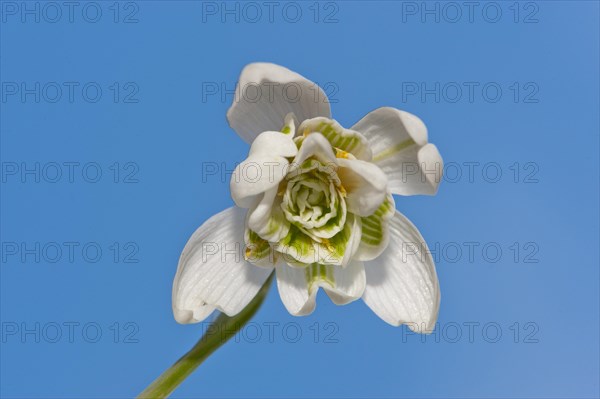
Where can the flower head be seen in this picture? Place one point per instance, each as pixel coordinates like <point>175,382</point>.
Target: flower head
<point>314,204</point>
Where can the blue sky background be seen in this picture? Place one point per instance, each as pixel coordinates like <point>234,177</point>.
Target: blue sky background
<point>157,131</point>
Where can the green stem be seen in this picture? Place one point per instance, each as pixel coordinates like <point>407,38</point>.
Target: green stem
<point>220,331</point>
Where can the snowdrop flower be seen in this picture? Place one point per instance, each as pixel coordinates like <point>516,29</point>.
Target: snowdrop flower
<point>314,205</point>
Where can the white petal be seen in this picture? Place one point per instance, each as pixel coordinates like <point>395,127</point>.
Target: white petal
<point>274,143</point>
<point>402,285</point>
<point>398,141</point>
<point>293,290</point>
<point>212,273</point>
<point>257,174</point>
<point>264,168</point>
<point>365,184</point>
<point>316,146</point>
<point>350,283</point>
<point>298,287</point>
<point>267,218</point>
<point>266,93</point>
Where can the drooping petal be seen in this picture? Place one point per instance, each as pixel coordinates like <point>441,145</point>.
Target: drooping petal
<point>267,218</point>
<point>402,285</point>
<point>350,283</point>
<point>347,140</point>
<point>365,185</point>
<point>292,284</point>
<point>398,141</point>
<point>375,231</point>
<point>266,93</point>
<point>298,287</point>
<point>212,273</point>
<point>264,168</point>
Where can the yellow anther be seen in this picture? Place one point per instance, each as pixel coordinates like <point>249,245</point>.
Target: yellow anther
<point>328,245</point>
<point>341,153</point>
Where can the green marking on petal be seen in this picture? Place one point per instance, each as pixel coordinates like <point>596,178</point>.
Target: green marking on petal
<point>298,140</point>
<point>289,125</point>
<point>332,251</point>
<point>274,226</point>
<point>296,246</point>
<point>317,272</point>
<point>344,139</point>
<point>257,250</point>
<point>393,150</point>
<point>374,227</point>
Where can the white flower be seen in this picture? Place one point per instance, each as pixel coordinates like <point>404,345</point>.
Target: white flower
<point>314,203</point>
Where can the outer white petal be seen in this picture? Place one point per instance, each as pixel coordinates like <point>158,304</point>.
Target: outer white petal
<point>365,184</point>
<point>266,93</point>
<point>298,287</point>
<point>402,285</point>
<point>212,273</point>
<point>293,290</point>
<point>264,168</point>
<point>350,283</point>
<point>398,141</point>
